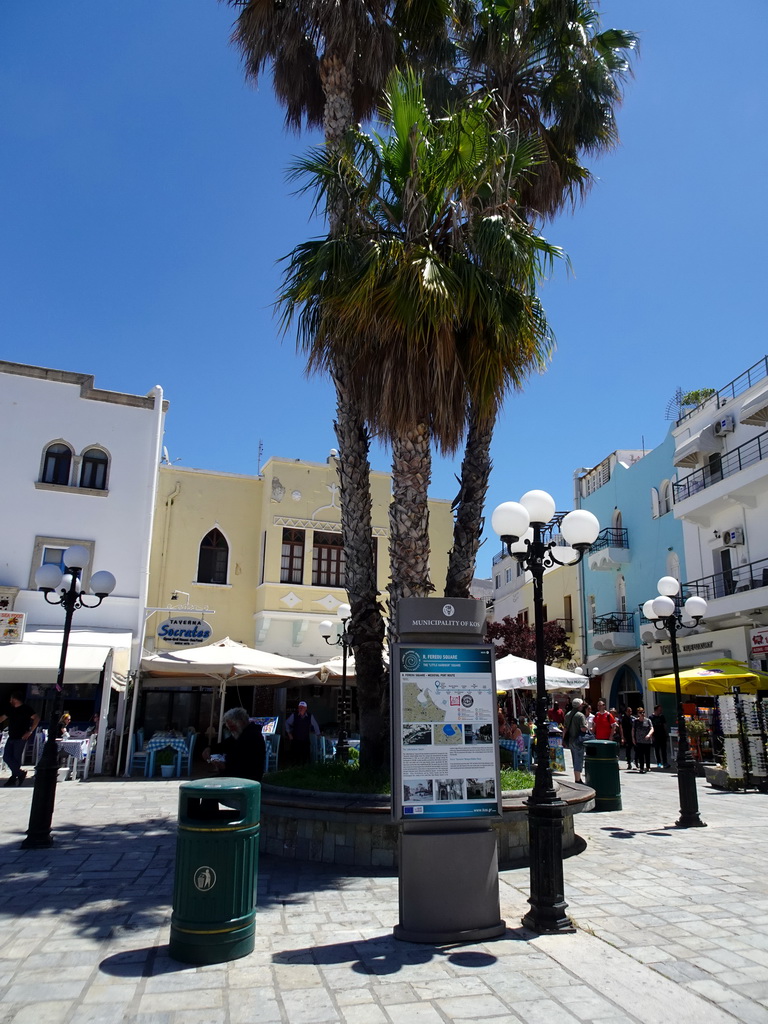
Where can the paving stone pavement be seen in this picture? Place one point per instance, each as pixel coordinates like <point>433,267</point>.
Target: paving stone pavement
<point>671,924</point>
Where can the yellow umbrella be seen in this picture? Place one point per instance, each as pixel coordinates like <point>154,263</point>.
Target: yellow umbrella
<point>713,679</point>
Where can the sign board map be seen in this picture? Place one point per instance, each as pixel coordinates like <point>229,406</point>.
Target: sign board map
<point>446,747</point>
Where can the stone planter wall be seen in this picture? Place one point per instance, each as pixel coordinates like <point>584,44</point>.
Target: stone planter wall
<point>342,829</point>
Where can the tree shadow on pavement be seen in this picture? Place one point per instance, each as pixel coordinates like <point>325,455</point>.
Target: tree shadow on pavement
<point>387,955</point>
<point>105,880</point>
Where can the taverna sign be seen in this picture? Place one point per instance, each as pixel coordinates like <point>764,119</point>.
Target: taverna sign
<point>184,632</point>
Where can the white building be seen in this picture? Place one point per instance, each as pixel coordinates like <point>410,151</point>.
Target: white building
<point>79,467</point>
<point>721,497</point>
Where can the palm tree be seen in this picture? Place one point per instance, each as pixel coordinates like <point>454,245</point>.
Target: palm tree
<point>549,70</point>
<point>329,62</point>
<point>431,285</point>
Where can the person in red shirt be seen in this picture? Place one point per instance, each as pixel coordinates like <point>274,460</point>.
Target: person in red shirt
<point>604,724</point>
<point>556,714</point>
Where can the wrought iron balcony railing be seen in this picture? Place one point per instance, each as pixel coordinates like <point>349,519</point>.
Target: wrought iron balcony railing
<point>746,454</point>
<point>614,622</point>
<point>610,537</point>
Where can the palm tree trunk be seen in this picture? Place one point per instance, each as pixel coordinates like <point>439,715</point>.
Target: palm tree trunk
<point>367,626</point>
<point>409,518</point>
<point>469,521</point>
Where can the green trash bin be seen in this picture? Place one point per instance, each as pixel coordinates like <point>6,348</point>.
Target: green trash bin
<point>217,855</point>
<point>602,771</point>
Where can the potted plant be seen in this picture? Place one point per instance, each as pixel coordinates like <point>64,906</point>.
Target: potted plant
<point>166,758</point>
<point>696,730</point>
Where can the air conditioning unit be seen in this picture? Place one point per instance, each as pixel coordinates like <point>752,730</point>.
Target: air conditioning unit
<point>733,537</point>
<point>724,426</point>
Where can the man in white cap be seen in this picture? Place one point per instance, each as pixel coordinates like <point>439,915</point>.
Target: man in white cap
<point>575,733</point>
<point>298,728</point>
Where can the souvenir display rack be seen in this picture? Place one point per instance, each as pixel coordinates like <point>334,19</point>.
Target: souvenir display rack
<point>742,717</point>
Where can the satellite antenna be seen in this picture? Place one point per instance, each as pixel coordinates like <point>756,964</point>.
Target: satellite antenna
<point>674,408</point>
<point>166,459</point>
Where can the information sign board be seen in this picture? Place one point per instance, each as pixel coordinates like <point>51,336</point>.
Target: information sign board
<point>445,725</point>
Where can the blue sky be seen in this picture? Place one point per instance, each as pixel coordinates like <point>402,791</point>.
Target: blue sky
<point>145,208</point>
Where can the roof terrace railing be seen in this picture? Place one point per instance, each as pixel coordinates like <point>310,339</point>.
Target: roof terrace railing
<point>736,387</point>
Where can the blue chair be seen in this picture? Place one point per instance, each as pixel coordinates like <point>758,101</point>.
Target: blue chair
<point>524,759</point>
<point>274,748</point>
<point>139,757</point>
<point>185,756</point>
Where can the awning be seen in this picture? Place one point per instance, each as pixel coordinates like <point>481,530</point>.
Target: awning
<point>24,664</point>
<point>688,451</point>
<point>610,662</point>
<point>36,659</point>
<point>755,409</point>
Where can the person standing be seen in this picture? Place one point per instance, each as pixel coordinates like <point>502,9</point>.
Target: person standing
<point>627,734</point>
<point>604,723</point>
<point>660,737</point>
<point>643,737</point>
<point>575,733</point>
<point>298,728</point>
<point>22,722</point>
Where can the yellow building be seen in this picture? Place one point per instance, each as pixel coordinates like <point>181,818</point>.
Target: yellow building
<point>261,559</point>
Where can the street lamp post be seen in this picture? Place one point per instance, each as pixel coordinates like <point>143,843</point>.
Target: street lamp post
<point>67,587</point>
<point>343,640</point>
<point>526,528</point>
<point>663,613</point>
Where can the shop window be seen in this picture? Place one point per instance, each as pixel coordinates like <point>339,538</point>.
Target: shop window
<point>292,557</point>
<point>213,560</point>
<point>93,471</point>
<point>328,561</point>
<point>57,462</point>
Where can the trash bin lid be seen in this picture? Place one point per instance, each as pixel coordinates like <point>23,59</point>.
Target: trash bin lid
<point>223,800</point>
<point>601,748</point>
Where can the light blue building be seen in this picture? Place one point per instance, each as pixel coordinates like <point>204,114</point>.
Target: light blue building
<point>630,492</point>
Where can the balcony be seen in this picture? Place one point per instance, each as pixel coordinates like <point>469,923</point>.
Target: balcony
<point>731,592</point>
<point>614,631</point>
<point>610,550</point>
<point>747,454</point>
<point>567,624</point>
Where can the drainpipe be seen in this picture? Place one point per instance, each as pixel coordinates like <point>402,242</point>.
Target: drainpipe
<point>166,533</point>
<point>578,475</point>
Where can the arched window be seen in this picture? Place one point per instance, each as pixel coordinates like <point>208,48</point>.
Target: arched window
<point>56,463</point>
<point>93,472</point>
<point>665,497</point>
<point>214,558</point>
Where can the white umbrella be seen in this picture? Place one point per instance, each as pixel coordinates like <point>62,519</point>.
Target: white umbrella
<point>225,659</point>
<point>331,670</point>
<point>513,673</point>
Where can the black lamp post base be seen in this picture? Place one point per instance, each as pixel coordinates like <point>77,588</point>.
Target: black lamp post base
<point>43,800</point>
<point>547,899</point>
<point>689,800</point>
<point>690,821</point>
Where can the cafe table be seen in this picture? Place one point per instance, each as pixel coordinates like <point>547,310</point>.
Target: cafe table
<point>159,742</point>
